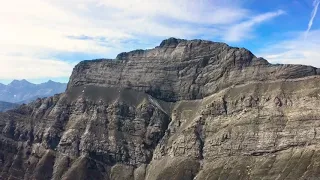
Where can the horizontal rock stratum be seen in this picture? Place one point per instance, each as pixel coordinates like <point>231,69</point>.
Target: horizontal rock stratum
<point>185,110</point>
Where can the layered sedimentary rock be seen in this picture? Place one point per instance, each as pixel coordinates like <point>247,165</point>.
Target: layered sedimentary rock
<point>183,110</point>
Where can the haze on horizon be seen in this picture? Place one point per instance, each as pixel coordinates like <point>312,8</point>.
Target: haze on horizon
<point>44,39</point>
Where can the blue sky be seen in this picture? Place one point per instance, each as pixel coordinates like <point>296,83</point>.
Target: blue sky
<point>44,39</point>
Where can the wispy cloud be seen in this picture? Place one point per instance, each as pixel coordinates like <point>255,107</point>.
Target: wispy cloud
<point>313,15</point>
<point>244,29</point>
<point>202,11</point>
<point>20,67</point>
<point>34,36</point>
<point>294,50</point>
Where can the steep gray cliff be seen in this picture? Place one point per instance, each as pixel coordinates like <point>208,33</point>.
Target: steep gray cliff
<point>181,69</point>
<point>184,110</point>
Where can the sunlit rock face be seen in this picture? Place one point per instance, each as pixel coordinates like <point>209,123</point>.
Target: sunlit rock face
<point>185,110</point>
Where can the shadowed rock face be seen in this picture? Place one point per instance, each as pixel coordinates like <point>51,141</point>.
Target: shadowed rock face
<point>184,110</point>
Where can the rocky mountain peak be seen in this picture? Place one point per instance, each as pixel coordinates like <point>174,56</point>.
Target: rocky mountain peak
<point>171,42</point>
<point>183,69</point>
<point>22,91</point>
<point>170,45</point>
<point>20,82</point>
<point>185,110</point>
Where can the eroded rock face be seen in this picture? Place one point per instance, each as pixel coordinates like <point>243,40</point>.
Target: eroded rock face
<point>180,70</point>
<point>184,110</point>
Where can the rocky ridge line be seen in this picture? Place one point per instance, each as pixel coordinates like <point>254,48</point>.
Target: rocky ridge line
<point>183,110</point>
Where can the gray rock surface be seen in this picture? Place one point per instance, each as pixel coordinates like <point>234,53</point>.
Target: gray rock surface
<point>180,70</point>
<point>186,110</point>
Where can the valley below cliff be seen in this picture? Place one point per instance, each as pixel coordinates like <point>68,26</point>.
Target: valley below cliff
<point>185,110</point>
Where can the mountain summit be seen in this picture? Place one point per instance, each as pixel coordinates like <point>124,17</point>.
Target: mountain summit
<point>184,110</point>
<point>183,70</point>
<point>22,82</point>
<point>22,91</point>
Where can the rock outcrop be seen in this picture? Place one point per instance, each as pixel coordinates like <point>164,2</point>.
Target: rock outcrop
<point>184,110</point>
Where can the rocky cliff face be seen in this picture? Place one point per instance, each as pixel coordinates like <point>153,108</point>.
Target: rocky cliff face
<point>183,110</point>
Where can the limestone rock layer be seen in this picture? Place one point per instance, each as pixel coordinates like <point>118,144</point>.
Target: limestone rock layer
<point>185,110</point>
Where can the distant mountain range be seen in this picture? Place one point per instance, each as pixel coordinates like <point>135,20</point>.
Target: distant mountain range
<point>4,106</point>
<point>22,91</point>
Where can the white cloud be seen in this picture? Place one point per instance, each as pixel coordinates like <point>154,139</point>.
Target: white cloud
<point>297,50</point>
<point>33,31</point>
<point>313,15</point>
<point>244,29</point>
<point>17,67</point>
<point>201,11</point>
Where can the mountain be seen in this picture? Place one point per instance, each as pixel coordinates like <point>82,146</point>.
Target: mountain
<point>4,106</point>
<point>22,91</point>
<point>185,110</point>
